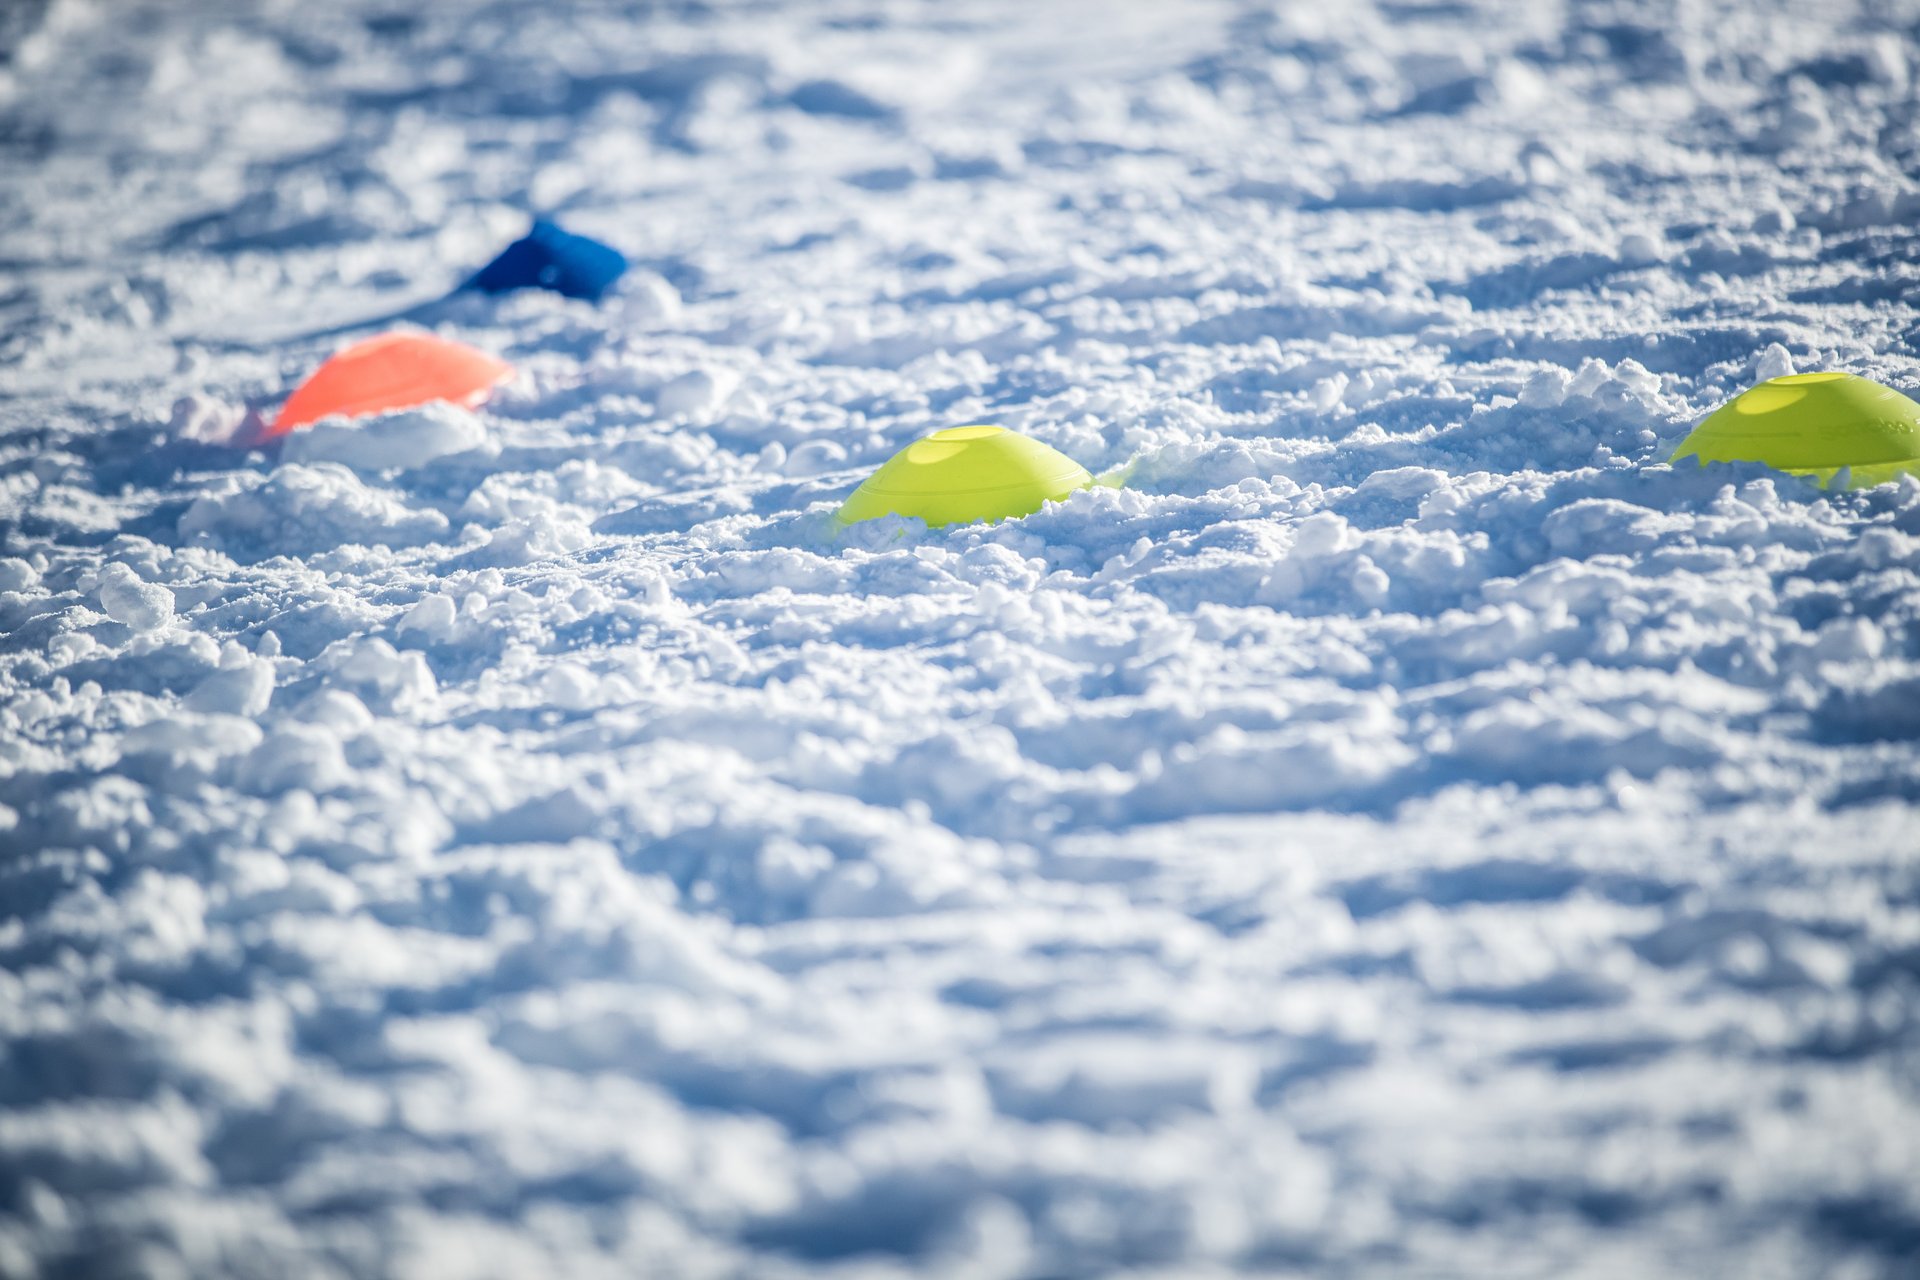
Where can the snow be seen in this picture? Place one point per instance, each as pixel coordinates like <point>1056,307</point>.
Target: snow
<point>1407,829</point>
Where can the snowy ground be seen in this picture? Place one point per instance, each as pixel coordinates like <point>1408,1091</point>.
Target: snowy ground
<point>1409,830</point>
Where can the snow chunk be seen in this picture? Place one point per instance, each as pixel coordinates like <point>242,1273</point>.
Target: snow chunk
<point>17,575</point>
<point>1803,121</point>
<point>647,296</point>
<point>697,394</point>
<point>338,711</point>
<point>1328,391</point>
<point>196,738</point>
<point>812,457</point>
<point>1774,362</point>
<point>1545,389</point>
<point>206,420</point>
<point>144,606</point>
<point>382,675</point>
<point>1885,60</point>
<point>1849,640</point>
<point>388,441</point>
<point>540,536</point>
<point>433,617</point>
<point>1641,249</point>
<point>305,508</point>
<point>296,755</point>
<point>1594,525</point>
<point>242,686</point>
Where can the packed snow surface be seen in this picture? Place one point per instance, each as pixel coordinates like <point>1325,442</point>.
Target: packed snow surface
<point>1408,829</point>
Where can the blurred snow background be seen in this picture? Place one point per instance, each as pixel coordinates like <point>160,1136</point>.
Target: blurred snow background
<point>1406,831</point>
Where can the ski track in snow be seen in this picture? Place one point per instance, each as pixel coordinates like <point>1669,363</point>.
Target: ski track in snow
<point>1408,830</point>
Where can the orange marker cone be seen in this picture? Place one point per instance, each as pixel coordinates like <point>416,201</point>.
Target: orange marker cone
<point>392,371</point>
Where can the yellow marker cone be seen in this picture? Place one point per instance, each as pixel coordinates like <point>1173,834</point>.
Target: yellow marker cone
<point>1814,424</point>
<point>964,474</point>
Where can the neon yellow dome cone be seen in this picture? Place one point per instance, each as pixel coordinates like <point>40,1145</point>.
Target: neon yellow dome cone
<point>964,474</point>
<point>1814,424</point>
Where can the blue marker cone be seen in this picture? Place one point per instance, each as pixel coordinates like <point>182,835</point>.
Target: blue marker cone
<point>549,258</point>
